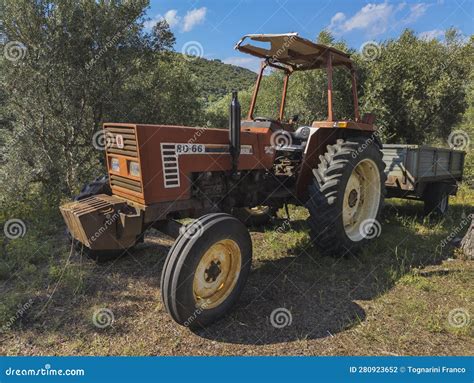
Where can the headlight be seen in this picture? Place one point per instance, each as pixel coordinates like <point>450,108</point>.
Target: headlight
<point>115,165</point>
<point>134,169</point>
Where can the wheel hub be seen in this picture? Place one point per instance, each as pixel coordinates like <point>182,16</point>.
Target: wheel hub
<point>353,197</point>
<point>217,273</point>
<point>213,271</point>
<point>361,198</point>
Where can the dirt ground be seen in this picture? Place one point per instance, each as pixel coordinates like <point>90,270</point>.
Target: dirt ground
<point>403,295</point>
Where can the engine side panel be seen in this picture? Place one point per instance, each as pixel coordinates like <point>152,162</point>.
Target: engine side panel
<point>168,155</point>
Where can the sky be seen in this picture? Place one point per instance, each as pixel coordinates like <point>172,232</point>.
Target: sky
<point>211,28</point>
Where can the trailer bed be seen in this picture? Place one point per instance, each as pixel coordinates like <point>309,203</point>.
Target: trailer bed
<point>412,169</point>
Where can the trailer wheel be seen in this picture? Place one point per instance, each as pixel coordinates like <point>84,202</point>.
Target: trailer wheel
<point>206,270</point>
<point>346,196</point>
<point>255,216</point>
<point>436,199</point>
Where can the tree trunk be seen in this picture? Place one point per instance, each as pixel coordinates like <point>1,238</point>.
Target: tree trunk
<point>467,243</point>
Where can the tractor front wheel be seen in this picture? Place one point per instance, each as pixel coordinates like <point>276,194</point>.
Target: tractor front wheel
<point>346,196</point>
<point>206,269</point>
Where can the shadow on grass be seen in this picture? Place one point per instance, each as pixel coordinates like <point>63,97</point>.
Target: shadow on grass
<point>321,294</point>
<point>299,296</point>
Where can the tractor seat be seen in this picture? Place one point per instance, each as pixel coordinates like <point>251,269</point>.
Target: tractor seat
<point>301,134</point>
<point>272,124</point>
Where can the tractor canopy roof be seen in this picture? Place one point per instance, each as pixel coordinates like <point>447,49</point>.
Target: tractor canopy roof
<point>293,51</point>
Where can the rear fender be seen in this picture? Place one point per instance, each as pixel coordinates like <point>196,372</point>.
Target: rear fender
<point>318,140</point>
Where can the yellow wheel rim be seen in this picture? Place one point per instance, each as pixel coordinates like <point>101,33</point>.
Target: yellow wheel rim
<point>258,210</point>
<point>361,198</point>
<point>217,273</point>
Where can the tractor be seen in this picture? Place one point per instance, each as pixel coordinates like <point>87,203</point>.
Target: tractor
<point>225,178</point>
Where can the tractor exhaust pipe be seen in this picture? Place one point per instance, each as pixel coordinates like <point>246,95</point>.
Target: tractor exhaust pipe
<point>234,131</point>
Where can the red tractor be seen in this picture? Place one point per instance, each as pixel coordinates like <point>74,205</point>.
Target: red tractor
<point>158,174</point>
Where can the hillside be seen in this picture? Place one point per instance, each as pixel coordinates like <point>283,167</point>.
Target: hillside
<point>217,79</point>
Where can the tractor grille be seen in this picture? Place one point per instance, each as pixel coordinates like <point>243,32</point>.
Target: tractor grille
<point>169,159</point>
<point>127,138</point>
<point>125,183</point>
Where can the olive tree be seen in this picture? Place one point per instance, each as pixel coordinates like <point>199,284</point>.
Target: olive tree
<point>416,86</point>
<point>66,68</point>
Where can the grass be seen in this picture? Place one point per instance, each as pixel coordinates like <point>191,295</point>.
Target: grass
<point>398,297</point>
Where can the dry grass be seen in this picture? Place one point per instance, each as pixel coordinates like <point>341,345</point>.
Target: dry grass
<point>393,299</point>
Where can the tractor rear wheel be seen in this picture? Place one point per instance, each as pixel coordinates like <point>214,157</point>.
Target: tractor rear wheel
<point>255,216</point>
<point>346,196</point>
<point>206,270</point>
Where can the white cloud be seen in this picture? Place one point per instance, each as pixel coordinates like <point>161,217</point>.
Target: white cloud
<point>187,23</point>
<point>172,18</point>
<point>430,35</point>
<point>149,24</point>
<point>416,11</point>
<point>375,19</point>
<point>193,18</point>
<point>251,63</point>
<point>338,18</point>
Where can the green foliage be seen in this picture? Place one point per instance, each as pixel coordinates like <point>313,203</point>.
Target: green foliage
<point>24,261</point>
<point>214,79</point>
<point>85,63</point>
<point>416,87</point>
<point>307,94</point>
<point>80,64</point>
<point>466,127</point>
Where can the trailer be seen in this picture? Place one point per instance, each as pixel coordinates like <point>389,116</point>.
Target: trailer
<point>423,173</point>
